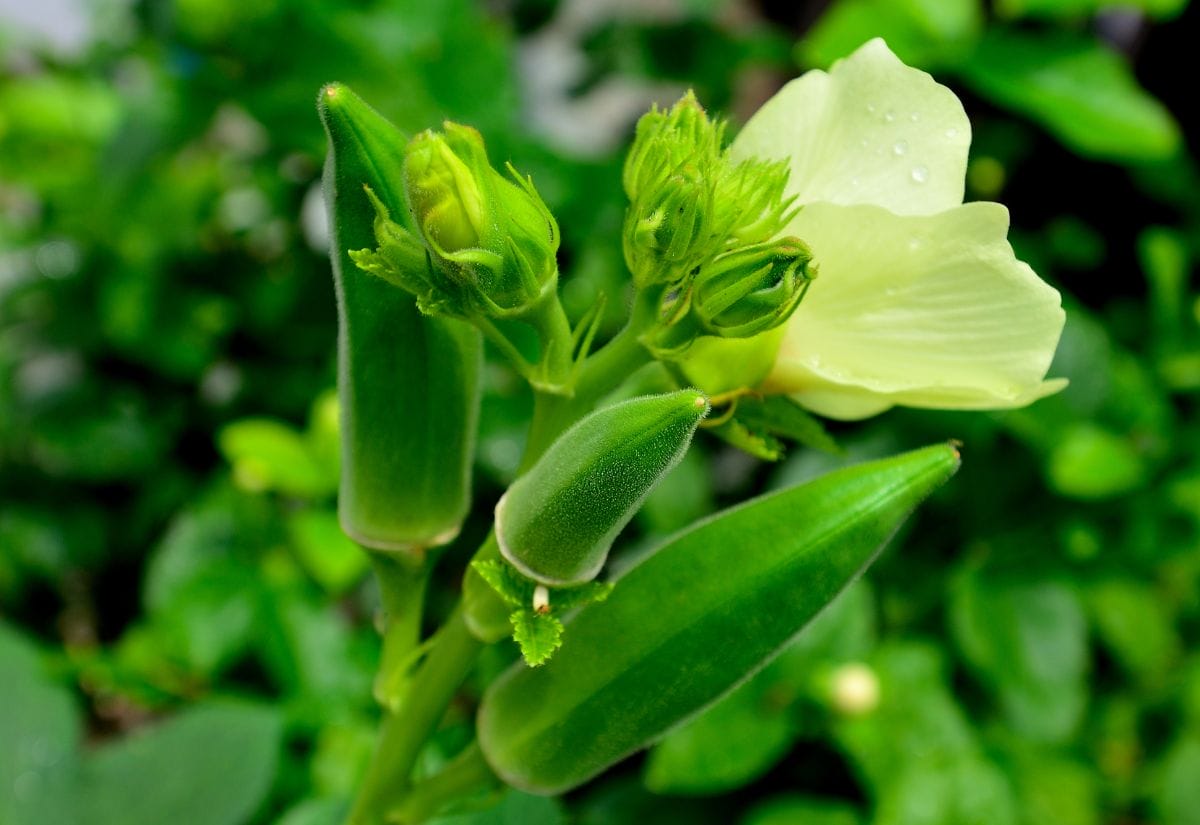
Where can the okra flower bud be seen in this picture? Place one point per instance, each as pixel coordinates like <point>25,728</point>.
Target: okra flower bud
<point>557,522</point>
<point>738,294</point>
<point>491,240</point>
<point>752,289</point>
<point>667,140</point>
<point>689,202</point>
<point>668,229</point>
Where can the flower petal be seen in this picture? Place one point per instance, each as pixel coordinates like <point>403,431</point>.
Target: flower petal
<point>925,311</point>
<point>871,130</point>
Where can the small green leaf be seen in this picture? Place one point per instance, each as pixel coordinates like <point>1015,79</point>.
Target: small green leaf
<point>1082,92</point>
<point>1089,462</point>
<point>1178,794</point>
<point>783,417</point>
<point>39,734</point>
<point>756,442</point>
<point>271,456</point>
<point>331,558</point>
<point>923,33</point>
<point>210,765</point>
<point>1135,623</point>
<point>538,634</point>
<point>506,581</point>
<point>1027,641</point>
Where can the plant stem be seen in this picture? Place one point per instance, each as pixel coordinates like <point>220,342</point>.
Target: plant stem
<point>403,734</point>
<point>554,333</point>
<point>465,775</point>
<point>602,373</point>
<point>402,579</point>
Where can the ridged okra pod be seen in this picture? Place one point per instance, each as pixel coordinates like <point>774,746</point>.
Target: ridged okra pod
<point>557,522</point>
<point>693,619</point>
<point>408,383</point>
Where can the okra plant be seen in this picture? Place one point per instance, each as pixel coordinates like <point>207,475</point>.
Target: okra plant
<point>820,263</point>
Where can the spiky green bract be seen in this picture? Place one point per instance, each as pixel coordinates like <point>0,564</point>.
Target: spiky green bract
<point>557,522</point>
<point>489,238</point>
<point>699,230</point>
<point>536,627</point>
<point>694,618</point>
<point>408,385</point>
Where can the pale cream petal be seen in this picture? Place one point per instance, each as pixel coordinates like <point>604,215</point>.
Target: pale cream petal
<point>924,311</point>
<point>871,130</point>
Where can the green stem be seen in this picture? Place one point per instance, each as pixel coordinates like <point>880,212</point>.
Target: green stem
<point>402,580</point>
<point>554,335</point>
<point>602,373</point>
<point>466,775</point>
<point>403,734</point>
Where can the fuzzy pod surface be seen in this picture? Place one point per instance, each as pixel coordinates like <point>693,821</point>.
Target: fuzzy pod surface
<point>695,618</point>
<point>557,522</point>
<point>408,384</point>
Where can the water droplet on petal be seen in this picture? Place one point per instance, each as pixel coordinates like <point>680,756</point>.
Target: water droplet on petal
<point>889,115</point>
<point>871,108</point>
<point>920,174</point>
<point>914,117</point>
<point>914,243</point>
<point>951,132</point>
<point>854,181</point>
<point>900,147</point>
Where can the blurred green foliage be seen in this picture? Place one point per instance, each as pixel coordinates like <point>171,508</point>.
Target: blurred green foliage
<point>186,634</point>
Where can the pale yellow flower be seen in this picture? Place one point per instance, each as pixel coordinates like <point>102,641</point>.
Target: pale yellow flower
<point>919,300</point>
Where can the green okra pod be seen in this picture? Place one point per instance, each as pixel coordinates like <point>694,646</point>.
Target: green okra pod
<point>408,383</point>
<point>557,522</point>
<point>695,618</point>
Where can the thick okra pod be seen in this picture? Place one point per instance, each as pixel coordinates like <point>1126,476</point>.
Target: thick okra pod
<point>695,618</point>
<point>408,383</point>
<point>557,522</point>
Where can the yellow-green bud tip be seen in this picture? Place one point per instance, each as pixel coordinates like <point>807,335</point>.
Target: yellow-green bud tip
<point>442,192</point>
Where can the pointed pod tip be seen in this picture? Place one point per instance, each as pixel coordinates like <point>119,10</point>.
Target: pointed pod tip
<point>337,103</point>
<point>331,95</point>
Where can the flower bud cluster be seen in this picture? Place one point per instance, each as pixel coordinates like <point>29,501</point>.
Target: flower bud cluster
<point>701,230</point>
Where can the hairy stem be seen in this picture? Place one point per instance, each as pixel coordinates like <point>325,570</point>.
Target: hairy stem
<point>466,775</point>
<point>403,734</point>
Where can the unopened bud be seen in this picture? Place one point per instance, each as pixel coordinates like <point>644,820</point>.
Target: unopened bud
<point>667,229</point>
<point>491,239</point>
<point>752,289</point>
<point>667,140</point>
<point>442,190</point>
<point>738,294</point>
